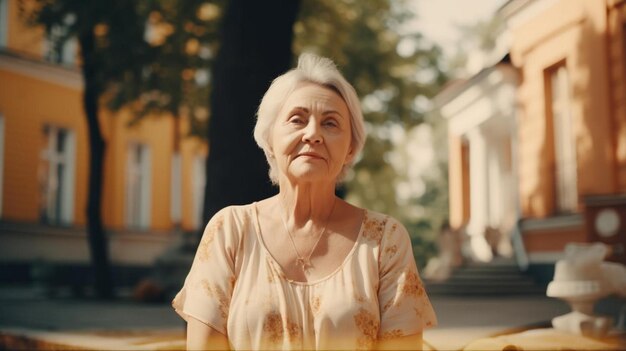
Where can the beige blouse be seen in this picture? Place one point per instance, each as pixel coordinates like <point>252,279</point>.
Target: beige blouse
<point>236,287</point>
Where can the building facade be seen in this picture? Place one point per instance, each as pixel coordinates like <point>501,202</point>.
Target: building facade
<point>568,136</point>
<point>154,175</point>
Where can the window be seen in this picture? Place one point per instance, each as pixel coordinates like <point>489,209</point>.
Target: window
<point>560,119</point>
<point>199,182</point>
<point>138,186</point>
<point>176,189</point>
<point>4,22</point>
<point>59,46</point>
<point>56,176</point>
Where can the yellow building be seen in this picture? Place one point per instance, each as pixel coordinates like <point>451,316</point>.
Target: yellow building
<point>572,114</point>
<point>153,182</point>
<point>549,120</point>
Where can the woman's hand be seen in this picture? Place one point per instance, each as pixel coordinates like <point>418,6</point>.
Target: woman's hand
<point>202,337</point>
<point>410,342</point>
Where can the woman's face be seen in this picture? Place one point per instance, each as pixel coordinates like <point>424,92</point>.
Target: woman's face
<point>311,137</point>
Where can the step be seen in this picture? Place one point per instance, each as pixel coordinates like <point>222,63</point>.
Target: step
<point>518,283</point>
<point>471,276</point>
<point>486,279</point>
<point>464,290</point>
<point>487,272</point>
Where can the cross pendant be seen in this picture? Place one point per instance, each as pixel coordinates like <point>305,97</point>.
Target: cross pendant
<point>304,263</point>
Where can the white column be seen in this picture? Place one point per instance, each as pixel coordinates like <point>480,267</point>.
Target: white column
<point>494,189</point>
<point>479,195</point>
<point>478,182</point>
<point>507,215</point>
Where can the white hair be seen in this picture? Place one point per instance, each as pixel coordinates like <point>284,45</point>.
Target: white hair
<point>314,69</point>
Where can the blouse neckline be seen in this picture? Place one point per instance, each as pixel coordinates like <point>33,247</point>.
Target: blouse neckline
<point>280,268</point>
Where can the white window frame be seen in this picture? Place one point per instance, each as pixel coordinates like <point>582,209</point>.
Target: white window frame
<point>54,159</point>
<point>138,186</point>
<point>199,185</point>
<point>563,129</point>
<point>67,54</point>
<point>4,23</point>
<point>176,189</point>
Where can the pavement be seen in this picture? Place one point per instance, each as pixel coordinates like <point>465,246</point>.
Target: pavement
<point>29,320</point>
<point>465,319</point>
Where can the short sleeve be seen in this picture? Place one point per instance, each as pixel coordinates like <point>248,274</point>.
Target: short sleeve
<point>208,287</point>
<point>404,306</point>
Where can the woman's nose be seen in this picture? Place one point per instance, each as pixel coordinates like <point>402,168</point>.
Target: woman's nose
<point>312,133</point>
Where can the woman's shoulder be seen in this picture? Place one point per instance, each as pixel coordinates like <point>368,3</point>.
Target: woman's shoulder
<point>375,218</point>
<point>238,210</point>
<point>233,216</point>
<point>382,227</point>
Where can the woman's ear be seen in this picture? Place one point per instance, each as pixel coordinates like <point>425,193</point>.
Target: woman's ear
<point>349,156</point>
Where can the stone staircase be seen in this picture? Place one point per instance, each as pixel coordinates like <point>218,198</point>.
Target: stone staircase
<point>497,278</point>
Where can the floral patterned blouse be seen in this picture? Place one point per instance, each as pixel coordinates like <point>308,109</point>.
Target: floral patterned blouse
<point>236,287</point>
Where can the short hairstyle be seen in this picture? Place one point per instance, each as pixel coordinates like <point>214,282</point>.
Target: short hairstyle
<point>314,69</point>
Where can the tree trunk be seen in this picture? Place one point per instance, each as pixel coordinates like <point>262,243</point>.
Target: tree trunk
<point>98,245</point>
<point>255,48</point>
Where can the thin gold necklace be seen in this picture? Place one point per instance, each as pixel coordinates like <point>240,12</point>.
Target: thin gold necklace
<point>305,262</point>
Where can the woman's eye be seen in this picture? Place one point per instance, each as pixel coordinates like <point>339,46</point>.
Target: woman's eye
<point>296,119</point>
<point>330,123</point>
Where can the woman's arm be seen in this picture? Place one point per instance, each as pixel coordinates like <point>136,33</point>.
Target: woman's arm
<point>202,337</point>
<point>410,342</point>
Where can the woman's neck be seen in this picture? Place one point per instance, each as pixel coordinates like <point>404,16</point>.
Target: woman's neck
<point>307,202</point>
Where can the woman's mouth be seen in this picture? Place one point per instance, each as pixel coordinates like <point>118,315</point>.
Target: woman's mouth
<point>310,155</point>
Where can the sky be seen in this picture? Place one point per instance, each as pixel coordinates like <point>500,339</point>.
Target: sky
<point>438,19</point>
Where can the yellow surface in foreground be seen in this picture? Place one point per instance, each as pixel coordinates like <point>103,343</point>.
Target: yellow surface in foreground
<point>535,339</point>
<point>546,339</point>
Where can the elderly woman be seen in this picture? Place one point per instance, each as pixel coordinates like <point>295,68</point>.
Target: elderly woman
<point>304,269</point>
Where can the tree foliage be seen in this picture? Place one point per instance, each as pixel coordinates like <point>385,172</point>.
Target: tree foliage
<point>154,56</point>
<point>476,42</point>
<point>183,35</point>
<point>120,51</point>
